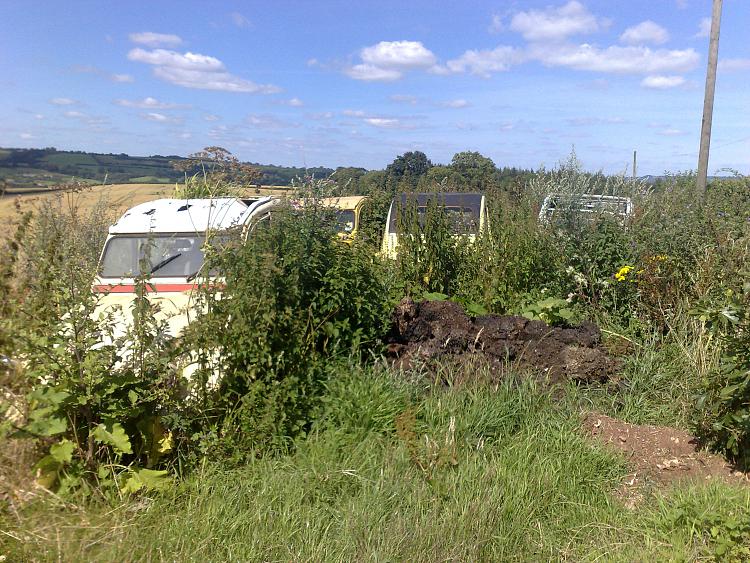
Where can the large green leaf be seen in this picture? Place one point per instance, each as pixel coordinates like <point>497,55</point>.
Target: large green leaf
<point>115,437</point>
<point>147,479</point>
<point>62,451</point>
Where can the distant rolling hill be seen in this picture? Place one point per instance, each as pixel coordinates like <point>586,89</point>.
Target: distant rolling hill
<point>24,169</point>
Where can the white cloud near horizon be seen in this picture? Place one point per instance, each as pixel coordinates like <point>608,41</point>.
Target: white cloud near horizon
<point>557,23</point>
<point>484,62</point>
<point>193,70</point>
<point>160,118</point>
<point>662,82</point>
<point>646,32</point>
<point>616,59</point>
<point>147,103</point>
<point>151,39</point>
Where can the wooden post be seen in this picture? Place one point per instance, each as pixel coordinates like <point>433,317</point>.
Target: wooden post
<point>708,98</point>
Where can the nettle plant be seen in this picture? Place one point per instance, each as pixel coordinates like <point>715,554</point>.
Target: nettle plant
<point>98,406</point>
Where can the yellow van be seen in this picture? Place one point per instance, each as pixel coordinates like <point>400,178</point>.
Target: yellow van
<point>467,213</point>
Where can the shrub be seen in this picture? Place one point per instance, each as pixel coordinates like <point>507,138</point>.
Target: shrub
<point>723,409</point>
<point>295,300</point>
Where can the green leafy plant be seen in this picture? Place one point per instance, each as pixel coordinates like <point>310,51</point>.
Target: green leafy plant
<point>295,300</point>
<point>551,310</point>
<point>723,409</point>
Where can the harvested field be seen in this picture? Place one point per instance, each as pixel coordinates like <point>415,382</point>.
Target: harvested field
<point>119,196</point>
<point>432,331</point>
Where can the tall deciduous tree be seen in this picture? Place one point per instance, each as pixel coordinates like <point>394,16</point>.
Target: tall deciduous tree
<point>408,168</point>
<point>477,170</point>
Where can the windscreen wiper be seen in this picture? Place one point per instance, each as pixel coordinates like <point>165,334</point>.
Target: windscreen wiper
<point>164,262</point>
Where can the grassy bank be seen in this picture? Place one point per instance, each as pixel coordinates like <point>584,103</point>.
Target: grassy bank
<point>399,471</point>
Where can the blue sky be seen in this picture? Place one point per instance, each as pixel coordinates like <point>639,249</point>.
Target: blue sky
<point>342,83</point>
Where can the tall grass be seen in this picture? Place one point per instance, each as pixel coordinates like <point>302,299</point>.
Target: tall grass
<point>397,472</point>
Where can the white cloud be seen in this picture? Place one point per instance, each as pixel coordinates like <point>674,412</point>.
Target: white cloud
<point>26,136</point>
<point>240,21</point>
<point>354,113</point>
<point>75,115</point>
<point>704,28</point>
<point>616,59</point>
<point>211,117</point>
<point>321,116</point>
<point>456,104</point>
<point>38,116</point>
<point>63,101</point>
<point>122,78</point>
<point>557,23</point>
<point>160,117</point>
<point>734,64</point>
<point>151,39</point>
<point>398,54</point>
<point>496,25</point>
<point>645,32</point>
<point>372,73</point>
<point>193,70</point>
<point>382,122</point>
<point>671,132</point>
<point>388,60</point>
<point>293,102</point>
<point>662,82</point>
<point>588,121</point>
<point>147,103</point>
<point>483,63</point>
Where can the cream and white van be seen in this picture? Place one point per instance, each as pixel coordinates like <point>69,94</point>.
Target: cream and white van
<point>164,240</point>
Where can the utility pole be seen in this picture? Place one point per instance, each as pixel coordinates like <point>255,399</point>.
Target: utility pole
<point>635,166</point>
<point>708,98</point>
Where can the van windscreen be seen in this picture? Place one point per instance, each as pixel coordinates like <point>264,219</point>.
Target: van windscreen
<point>156,255</point>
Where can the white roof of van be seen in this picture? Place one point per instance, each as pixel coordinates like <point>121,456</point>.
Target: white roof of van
<point>187,215</point>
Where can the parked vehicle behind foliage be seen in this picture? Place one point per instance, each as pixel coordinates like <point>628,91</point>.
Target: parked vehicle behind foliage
<point>346,213</point>
<point>557,206</point>
<point>164,243</point>
<point>466,212</point>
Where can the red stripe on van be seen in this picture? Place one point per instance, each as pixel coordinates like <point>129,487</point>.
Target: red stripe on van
<point>157,287</point>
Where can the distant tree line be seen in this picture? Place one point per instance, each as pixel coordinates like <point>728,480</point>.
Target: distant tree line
<point>467,171</point>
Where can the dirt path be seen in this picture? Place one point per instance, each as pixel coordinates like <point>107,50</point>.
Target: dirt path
<point>659,455</point>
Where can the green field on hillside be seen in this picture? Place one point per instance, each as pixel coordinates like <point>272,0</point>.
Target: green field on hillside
<point>25,168</point>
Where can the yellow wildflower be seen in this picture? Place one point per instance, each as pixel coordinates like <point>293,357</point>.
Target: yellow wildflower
<point>622,273</point>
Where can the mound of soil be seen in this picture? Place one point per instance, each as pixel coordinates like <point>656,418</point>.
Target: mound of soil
<point>441,330</point>
<point>659,454</point>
